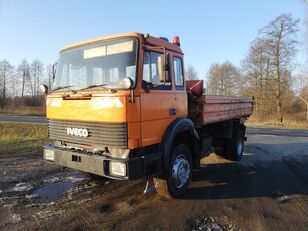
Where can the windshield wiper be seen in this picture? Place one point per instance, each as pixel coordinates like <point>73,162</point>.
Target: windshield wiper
<point>96,85</point>
<point>62,87</point>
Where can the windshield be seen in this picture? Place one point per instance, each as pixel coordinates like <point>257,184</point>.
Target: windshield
<point>103,64</point>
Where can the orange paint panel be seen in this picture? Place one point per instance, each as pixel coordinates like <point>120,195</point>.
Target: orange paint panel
<point>181,104</point>
<point>156,104</point>
<point>133,109</point>
<point>134,135</point>
<point>98,109</point>
<point>155,115</point>
<point>153,131</point>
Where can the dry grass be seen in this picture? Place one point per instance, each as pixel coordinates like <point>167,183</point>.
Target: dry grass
<point>22,139</point>
<point>23,110</point>
<point>22,131</point>
<point>291,120</point>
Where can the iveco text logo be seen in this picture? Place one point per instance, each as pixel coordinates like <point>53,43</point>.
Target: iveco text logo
<point>77,132</point>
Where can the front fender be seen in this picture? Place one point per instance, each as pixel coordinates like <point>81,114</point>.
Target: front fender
<point>179,125</point>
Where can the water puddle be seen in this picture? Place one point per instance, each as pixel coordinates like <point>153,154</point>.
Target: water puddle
<point>52,192</point>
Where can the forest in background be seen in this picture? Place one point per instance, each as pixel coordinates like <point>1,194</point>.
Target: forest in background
<point>267,73</point>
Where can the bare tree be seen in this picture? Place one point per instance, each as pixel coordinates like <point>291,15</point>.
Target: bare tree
<point>36,72</point>
<point>49,76</point>
<point>305,22</point>
<point>13,84</point>
<point>223,79</point>
<point>23,71</point>
<point>258,75</point>
<point>280,35</point>
<point>5,71</point>
<point>190,73</point>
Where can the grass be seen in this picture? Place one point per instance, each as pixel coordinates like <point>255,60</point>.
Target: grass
<point>22,139</point>
<point>288,122</point>
<point>23,110</point>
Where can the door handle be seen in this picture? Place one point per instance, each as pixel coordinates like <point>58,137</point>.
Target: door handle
<point>172,112</point>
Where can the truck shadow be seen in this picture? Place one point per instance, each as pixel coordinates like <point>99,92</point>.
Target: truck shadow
<point>257,175</point>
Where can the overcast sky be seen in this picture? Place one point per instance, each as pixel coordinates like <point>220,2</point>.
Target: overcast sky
<point>210,31</point>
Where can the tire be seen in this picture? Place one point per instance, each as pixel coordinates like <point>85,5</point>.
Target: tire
<point>235,146</point>
<point>177,174</point>
<point>220,148</point>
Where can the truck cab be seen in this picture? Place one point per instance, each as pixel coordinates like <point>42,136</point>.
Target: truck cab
<point>119,109</point>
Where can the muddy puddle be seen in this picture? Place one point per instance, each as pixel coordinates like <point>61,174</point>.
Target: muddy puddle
<point>52,192</point>
<point>38,188</point>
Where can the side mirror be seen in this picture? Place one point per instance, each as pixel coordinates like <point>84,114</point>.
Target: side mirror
<point>54,71</point>
<point>43,89</point>
<point>162,69</point>
<point>127,82</point>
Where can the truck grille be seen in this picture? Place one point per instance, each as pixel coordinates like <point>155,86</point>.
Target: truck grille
<point>98,134</point>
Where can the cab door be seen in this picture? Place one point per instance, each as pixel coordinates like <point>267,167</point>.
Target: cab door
<point>156,100</point>
<point>179,83</point>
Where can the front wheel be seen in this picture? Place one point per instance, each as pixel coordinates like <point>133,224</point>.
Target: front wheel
<point>178,173</point>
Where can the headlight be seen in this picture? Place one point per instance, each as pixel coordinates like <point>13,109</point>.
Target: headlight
<point>117,168</point>
<point>49,155</point>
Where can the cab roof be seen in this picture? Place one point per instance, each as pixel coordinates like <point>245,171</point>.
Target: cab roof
<point>153,41</point>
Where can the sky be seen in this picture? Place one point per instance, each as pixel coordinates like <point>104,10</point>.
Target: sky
<point>210,31</point>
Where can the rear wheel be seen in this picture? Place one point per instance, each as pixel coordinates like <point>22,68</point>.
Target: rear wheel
<point>235,145</point>
<point>178,173</point>
<point>220,147</point>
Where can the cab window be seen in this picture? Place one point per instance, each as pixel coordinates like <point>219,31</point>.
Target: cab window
<point>178,73</point>
<point>150,79</point>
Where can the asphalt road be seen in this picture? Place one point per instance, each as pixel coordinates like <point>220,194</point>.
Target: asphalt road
<point>27,119</point>
<point>277,131</point>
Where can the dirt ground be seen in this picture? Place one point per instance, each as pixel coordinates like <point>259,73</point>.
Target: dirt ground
<point>267,190</point>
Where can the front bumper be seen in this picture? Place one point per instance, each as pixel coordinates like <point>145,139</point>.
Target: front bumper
<point>136,167</point>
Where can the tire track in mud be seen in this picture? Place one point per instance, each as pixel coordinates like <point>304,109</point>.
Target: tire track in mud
<point>108,203</point>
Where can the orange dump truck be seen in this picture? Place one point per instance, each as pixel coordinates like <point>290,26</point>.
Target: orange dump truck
<point>120,108</point>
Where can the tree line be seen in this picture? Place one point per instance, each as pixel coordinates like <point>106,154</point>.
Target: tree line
<point>19,85</point>
<point>266,72</point>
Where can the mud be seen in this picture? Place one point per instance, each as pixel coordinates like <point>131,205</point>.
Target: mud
<point>267,190</point>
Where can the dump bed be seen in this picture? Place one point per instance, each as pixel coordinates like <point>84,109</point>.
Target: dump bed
<point>206,109</point>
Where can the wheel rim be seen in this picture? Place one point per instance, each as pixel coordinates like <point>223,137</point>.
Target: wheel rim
<point>239,147</point>
<point>180,171</point>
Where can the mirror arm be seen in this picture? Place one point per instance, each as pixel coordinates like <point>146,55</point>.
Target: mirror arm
<point>54,71</point>
<point>165,64</point>
<point>132,96</point>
